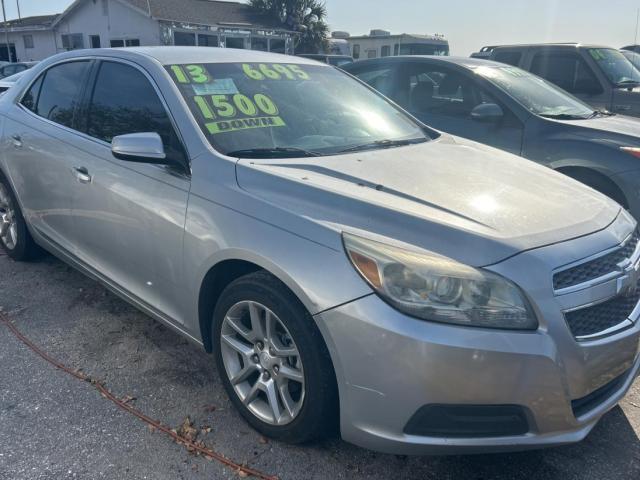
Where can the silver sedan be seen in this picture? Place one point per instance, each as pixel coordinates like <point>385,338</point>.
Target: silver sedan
<point>349,268</point>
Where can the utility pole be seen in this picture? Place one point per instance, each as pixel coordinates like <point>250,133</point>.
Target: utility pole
<point>18,6</point>
<point>6,31</point>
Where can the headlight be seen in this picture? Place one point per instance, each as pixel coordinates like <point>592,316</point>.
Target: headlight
<point>439,289</point>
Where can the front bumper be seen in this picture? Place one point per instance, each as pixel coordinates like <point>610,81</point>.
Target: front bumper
<point>389,366</point>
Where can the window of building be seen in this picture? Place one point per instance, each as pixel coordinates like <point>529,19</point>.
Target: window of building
<point>125,102</point>
<point>28,41</point>
<point>277,45</point>
<point>129,42</point>
<point>356,51</point>
<point>396,49</point>
<point>184,39</point>
<point>259,43</point>
<point>372,53</point>
<point>385,51</point>
<point>207,40</point>
<point>94,40</point>
<point>72,41</point>
<point>55,95</point>
<point>567,70</point>
<point>234,42</point>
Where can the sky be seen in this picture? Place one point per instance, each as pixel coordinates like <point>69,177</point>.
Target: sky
<point>467,24</point>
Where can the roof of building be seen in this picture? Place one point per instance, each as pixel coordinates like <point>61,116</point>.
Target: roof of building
<point>205,12</point>
<point>43,21</point>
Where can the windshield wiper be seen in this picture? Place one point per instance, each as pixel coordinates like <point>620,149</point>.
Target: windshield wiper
<point>628,84</point>
<point>383,144</point>
<point>603,113</point>
<point>563,116</point>
<point>273,152</point>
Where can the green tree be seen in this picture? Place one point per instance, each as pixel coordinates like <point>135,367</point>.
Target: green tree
<point>306,17</point>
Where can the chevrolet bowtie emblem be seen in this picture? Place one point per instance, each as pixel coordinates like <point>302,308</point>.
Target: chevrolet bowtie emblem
<point>628,284</point>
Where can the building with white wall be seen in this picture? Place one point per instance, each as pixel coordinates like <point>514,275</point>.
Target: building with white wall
<point>125,23</point>
<point>381,43</point>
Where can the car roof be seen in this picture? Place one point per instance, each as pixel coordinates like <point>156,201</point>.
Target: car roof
<point>179,55</point>
<point>467,62</point>
<point>560,44</point>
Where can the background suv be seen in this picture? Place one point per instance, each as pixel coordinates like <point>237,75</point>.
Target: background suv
<point>601,76</point>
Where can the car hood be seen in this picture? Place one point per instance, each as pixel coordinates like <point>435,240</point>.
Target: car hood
<point>616,124</point>
<point>451,196</point>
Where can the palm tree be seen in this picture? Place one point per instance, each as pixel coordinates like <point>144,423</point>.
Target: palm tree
<point>306,17</point>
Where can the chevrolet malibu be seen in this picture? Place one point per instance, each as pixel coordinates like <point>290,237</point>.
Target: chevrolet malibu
<point>349,268</point>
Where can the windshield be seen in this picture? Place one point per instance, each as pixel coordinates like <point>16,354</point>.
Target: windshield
<point>339,61</point>
<point>615,66</point>
<point>633,57</point>
<point>289,109</point>
<point>536,94</point>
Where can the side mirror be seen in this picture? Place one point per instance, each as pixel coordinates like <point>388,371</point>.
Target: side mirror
<point>487,113</point>
<point>139,147</point>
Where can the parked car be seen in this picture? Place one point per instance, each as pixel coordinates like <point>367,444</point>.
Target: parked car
<point>484,52</point>
<point>13,68</point>
<point>633,57</point>
<point>335,60</point>
<point>8,82</point>
<point>346,265</point>
<point>511,109</point>
<point>631,48</point>
<point>600,76</point>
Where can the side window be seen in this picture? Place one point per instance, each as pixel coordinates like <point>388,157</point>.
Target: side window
<point>568,71</point>
<point>441,91</point>
<point>30,99</point>
<point>510,58</point>
<point>381,79</point>
<point>55,95</point>
<point>123,101</point>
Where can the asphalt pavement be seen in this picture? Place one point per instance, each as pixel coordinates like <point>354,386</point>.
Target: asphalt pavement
<point>54,426</point>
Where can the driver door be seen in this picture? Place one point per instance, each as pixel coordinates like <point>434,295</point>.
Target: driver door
<point>444,99</point>
<point>129,217</point>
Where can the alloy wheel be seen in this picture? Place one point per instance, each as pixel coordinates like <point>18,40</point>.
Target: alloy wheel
<point>8,221</point>
<point>262,363</point>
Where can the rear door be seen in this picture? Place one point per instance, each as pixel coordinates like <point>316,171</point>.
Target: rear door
<point>41,159</point>
<point>130,217</point>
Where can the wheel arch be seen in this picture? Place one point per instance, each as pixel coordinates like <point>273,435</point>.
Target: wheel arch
<point>225,270</point>
<point>595,179</point>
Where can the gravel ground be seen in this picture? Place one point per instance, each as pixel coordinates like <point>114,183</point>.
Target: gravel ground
<point>53,426</point>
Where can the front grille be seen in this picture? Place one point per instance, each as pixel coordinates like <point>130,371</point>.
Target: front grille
<point>596,398</point>
<point>598,267</point>
<point>605,315</point>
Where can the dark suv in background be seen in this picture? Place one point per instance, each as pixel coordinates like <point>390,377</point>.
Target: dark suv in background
<point>600,76</point>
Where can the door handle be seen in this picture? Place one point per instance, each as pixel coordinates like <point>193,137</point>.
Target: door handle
<point>82,174</point>
<point>17,140</point>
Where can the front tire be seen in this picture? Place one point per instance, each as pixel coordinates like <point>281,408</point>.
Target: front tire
<point>273,362</point>
<point>15,238</point>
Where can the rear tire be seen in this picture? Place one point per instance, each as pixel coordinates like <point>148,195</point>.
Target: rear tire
<point>15,239</point>
<point>273,361</point>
